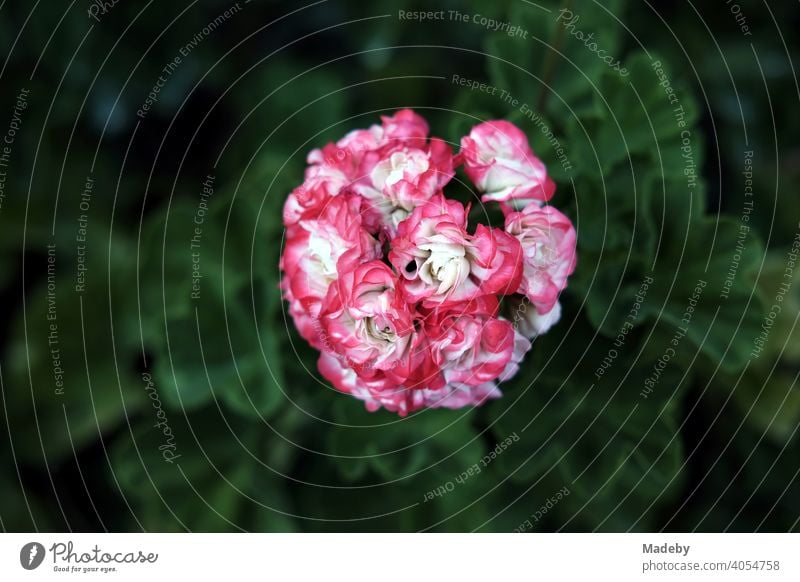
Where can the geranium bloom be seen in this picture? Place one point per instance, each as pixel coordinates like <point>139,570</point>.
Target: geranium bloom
<point>501,164</point>
<point>377,394</point>
<point>316,251</point>
<point>405,125</point>
<point>366,317</point>
<point>383,277</point>
<point>440,262</point>
<point>530,322</point>
<point>402,178</point>
<point>367,320</point>
<point>350,161</point>
<point>323,182</point>
<point>471,345</point>
<point>548,240</point>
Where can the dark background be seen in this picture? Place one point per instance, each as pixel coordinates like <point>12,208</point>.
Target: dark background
<point>261,442</point>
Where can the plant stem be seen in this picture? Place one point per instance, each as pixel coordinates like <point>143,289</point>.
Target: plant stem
<point>549,64</point>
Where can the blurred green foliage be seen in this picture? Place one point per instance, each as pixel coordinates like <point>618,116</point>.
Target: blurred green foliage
<point>260,442</point>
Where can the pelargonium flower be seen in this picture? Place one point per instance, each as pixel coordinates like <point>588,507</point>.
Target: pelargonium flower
<point>500,162</point>
<point>338,166</point>
<point>548,240</point>
<point>384,277</point>
<point>323,182</point>
<point>316,251</point>
<point>402,178</point>
<point>441,263</point>
<point>379,394</point>
<point>405,125</point>
<point>471,344</point>
<point>366,318</point>
<point>529,322</point>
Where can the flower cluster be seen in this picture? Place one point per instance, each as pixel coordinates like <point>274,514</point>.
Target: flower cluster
<point>385,278</point>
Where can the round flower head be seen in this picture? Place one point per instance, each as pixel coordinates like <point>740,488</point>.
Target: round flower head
<point>384,278</point>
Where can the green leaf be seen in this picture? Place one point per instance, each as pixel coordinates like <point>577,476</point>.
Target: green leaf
<point>555,53</point>
<point>65,379</point>
<point>396,448</point>
<point>635,116</point>
<point>614,449</point>
<point>216,463</point>
<point>689,294</point>
<point>212,328</point>
<point>770,400</point>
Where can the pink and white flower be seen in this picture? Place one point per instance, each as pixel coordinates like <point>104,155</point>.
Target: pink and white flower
<point>402,178</point>
<point>399,399</point>
<point>457,395</point>
<point>307,200</point>
<point>440,262</point>
<point>405,126</point>
<point>530,322</point>
<point>336,167</point>
<point>368,322</point>
<point>316,251</point>
<point>500,162</point>
<point>548,242</point>
<point>383,278</point>
<point>375,394</point>
<point>471,345</point>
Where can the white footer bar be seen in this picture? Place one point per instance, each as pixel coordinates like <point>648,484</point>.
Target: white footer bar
<point>401,557</point>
